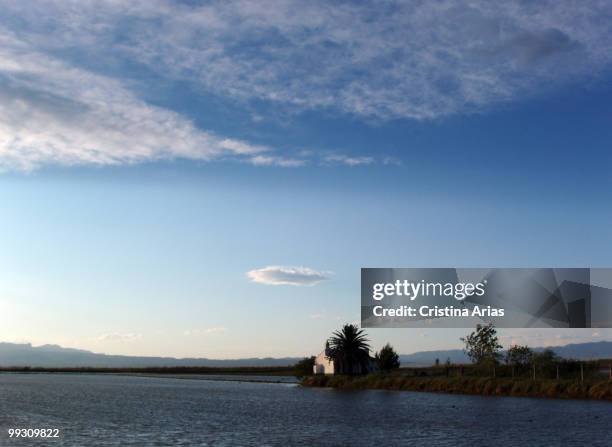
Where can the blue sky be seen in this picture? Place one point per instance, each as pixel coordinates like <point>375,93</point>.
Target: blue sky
<point>152,154</point>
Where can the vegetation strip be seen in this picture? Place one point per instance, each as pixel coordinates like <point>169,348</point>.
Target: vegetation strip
<point>568,389</point>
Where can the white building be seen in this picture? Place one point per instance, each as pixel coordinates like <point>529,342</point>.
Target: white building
<point>322,365</point>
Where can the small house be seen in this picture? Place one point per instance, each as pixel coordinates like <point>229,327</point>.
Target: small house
<point>324,364</point>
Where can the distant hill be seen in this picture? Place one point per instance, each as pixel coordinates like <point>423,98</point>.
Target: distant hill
<point>53,356</point>
<point>426,358</point>
<point>578,351</point>
<point>585,351</point>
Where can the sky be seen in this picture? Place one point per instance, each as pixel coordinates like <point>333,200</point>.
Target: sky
<point>206,179</point>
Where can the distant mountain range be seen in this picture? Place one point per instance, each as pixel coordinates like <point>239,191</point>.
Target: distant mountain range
<point>53,356</point>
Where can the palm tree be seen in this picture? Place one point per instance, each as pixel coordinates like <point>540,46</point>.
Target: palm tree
<point>349,348</point>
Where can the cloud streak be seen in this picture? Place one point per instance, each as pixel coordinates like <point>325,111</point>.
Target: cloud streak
<point>51,112</point>
<point>347,160</point>
<point>286,275</point>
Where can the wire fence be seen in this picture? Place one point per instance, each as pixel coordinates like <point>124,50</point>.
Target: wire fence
<point>559,370</point>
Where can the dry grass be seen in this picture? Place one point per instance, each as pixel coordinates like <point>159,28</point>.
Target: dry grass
<point>568,389</point>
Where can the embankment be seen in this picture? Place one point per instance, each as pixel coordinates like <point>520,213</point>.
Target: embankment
<point>489,386</point>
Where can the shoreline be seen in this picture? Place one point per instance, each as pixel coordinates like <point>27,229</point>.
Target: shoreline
<point>210,377</point>
<point>280,375</point>
<point>485,386</point>
<point>164,370</point>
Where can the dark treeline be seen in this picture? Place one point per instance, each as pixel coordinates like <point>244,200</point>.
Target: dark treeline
<point>248,370</point>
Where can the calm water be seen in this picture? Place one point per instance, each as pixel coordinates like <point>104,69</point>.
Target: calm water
<point>120,410</point>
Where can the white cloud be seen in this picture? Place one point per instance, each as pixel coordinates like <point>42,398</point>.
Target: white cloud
<point>348,160</point>
<point>286,275</point>
<point>391,161</point>
<point>271,160</point>
<point>51,112</point>
<point>385,59</point>
<point>120,337</point>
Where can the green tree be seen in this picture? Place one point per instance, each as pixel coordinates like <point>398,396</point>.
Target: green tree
<point>387,359</point>
<point>305,367</point>
<point>349,349</point>
<point>482,346</point>
<point>546,357</point>
<point>519,355</point>
<point>545,362</point>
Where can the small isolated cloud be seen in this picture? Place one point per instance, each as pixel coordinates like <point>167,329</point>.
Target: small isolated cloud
<point>205,331</point>
<point>121,337</point>
<point>348,160</point>
<point>276,275</point>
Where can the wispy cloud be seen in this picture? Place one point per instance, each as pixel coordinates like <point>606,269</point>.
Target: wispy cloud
<point>51,112</point>
<point>383,59</point>
<point>286,275</point>
<point>271,160</point>
<point>348,160</point>
<point>376,58</point>
<point>120,337</point>
<point>391,161</point>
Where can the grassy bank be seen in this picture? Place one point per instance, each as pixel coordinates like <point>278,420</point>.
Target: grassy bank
<point>599,389</point>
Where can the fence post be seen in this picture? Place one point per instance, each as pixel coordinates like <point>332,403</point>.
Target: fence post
<point>534,371</point>
<point>610,372</point>
<point>581,372</point>
<point>557,372</point>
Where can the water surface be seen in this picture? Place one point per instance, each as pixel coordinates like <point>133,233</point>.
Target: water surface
<point>141,411</point>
